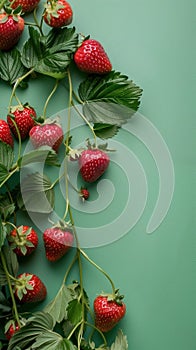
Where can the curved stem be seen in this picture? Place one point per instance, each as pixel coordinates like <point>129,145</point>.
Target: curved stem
<point>10,289</point>
<point>70,267</point>
<point>18,81</point>
<point>98,330</point>
<point>11,200</point>
<point>49,97</point>
<point>86,121</point>
<point>36,21</point>
<point>19,138</point>
<point>100,269</point>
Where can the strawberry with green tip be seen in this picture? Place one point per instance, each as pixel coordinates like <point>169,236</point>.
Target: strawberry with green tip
<point>109,310</point>
<point>5,133</point>
<point>57,242</point>
<point>91,58</point>
<point>93,163</point>
<point>23,240</point>
<point>24,117</point>
<point>48,134</point>
<point>11,28</point>
<point>27,5</point>
<point>28,288</point>
<point>58,13</point>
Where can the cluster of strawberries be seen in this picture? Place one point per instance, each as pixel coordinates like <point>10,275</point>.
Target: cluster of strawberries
<point>90,57</point>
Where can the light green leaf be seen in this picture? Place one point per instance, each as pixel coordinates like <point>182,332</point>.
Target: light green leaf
<point>43,154</point>
<point>37,193</point>
<point>11,67</point>
<point>6,155</point>
<point>109,99</point>
<point>57,308</point>
<point>120,342</point>
<point>74,311</point>
<point>50,54</point>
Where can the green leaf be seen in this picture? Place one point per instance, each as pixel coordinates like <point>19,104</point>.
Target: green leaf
<point>74,311</point>
<point>3,173</point>
<point>39,323</point>
<point>120,342</point>
<point>52,341</point>
<point>5,307</point>
<point>50,54</point>
<point>6,207</point>
<point>105,131</point>
<point>57,308</point>
<point>6,155</point>
<point>43,154</point>
<point>11,260</point>
<point>2,233</point>
<point>109,99</point>
<point>37,193</point>
<point>11,67</point>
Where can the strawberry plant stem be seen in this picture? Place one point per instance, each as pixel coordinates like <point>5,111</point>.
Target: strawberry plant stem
<point>8,176</point>
<point>19,138</point>
<point>10,288</point>
<point>49,97</point>
<point>36,21</point>
<point>86,121</point>
<point>100,269</point>
<point>18,81</point>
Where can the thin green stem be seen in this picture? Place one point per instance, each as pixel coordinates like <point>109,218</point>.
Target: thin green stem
<point>49,97</point>
<point>70,267</point>
<point>18,81</point>
<point>19,138</point>
<point>100,269</point>
<point>56,181</point>
<point>74,329</point>
<point>36,21</point>
<point>10,289</point>
<point>98,330</point>
<point>86,121</point>
<point>11,200</point>
<point>8,176</point>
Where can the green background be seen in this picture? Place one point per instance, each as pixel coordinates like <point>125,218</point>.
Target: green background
<point>153,42</point>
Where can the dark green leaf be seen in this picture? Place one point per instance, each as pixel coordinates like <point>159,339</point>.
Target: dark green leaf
<point>6,155</point>
<point>43,154</point>
<point>5,307</point>
<point>52,341</point>
<point>50,54</point>
<point>11,260</point>
<point>110,99</point>
<point>37,193</point>
<point>6,208</point>
<point>36,325</point>
<point>105,131</point>
<point>3,173</point>
<point>11,67</point>
<point>74,311</point>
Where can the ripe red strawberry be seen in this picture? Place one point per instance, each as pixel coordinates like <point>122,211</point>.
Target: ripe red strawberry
<point>91,57</point>
<point>11,28</point>
<point>57,242</point>
<point>84,193</point>
<point>93,163</point>
<point>47,134</point>
<point>23,240</point>
<point>11,328</point>
<point>29,288</point>
<point>58,13</point>
<point>108,312</point>
<point>27,5</point>
<point>5,133</point>
<point>24,118</point>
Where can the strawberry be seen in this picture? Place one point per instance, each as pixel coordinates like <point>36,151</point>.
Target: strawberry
<point>24,118</point>
<point>84,193</point>
<point>91,57</point>
<point>57,242</point>
<point>93,163</point>
<point>109,310</point>
<point>28,288</point>
<point>50,134</point>
<point>11,28</point>
<point>27,5</point>
<point>5,133</point>
<point>11,328</point>
<point>23,240</point>
<point>58,13</point>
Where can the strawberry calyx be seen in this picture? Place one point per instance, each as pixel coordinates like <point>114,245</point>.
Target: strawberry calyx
<point>22,285</point>
<point>20,240</point>
<point>63,225</point>
<point>9,11</point>
<point>115,297</point>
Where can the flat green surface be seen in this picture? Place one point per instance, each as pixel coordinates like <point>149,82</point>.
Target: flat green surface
<point>153,42</point>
